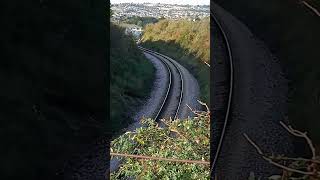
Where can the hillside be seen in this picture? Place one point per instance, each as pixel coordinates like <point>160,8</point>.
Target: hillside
<point>187,42</point>
<point>131,78</point>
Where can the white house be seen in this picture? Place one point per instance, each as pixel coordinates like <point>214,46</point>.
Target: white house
<point>136,31</point>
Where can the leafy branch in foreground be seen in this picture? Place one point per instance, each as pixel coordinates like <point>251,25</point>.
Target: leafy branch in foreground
<point>297,168</point>
<point>187,139</point>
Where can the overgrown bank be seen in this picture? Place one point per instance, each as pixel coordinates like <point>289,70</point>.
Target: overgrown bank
<point>131,77</point>
<point>187,42</point>
<point>185,139</point>
<point>291,31</point>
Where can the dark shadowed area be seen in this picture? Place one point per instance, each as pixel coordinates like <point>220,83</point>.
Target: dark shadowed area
<point>53,84</point>
<point>291,31</point>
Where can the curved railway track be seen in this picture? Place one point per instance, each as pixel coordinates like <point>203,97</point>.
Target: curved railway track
<point>223,80</point>
<point>170,105</point>
<point>171,84</point>
<point>174,94</point>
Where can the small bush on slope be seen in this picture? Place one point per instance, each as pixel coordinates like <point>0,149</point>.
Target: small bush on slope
<point>180,139</point>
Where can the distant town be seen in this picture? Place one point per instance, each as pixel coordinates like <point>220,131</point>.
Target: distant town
<point>158,10</point>
<point>133,17</point>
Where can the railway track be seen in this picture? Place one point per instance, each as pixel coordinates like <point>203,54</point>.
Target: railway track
<point>172,100</point>
<point>223,81</point>
<point>181,88</point>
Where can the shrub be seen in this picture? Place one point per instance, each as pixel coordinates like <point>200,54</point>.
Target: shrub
<point>179,139</point>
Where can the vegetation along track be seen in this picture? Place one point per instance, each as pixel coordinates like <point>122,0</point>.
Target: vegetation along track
<point>222,93</point>
<point>173,98</point>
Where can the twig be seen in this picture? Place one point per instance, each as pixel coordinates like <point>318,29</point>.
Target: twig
<point>296,159</point>
<point>160,158</point>
<point>275,163</point>
<point>173,130</point>
<point>200,113</point>
<point>179,133</point>
<point>195,112</point>
<point>164,122</point>
<point>204,104</point>
<point>253,144</point>
<point>311,8</point>
<point>303,135</point>
<point>207,64</point>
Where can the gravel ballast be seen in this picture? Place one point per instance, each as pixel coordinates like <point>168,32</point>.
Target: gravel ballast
<point>259,103</point>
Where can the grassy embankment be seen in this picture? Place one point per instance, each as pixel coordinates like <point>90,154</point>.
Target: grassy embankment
<point>291,31</point>
<point>185,41</point>
<point>131,78</point>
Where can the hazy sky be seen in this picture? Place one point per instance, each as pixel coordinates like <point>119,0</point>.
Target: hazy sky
<point>192,2</point>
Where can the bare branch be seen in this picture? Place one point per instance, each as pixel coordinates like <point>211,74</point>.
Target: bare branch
<point>311,8</point>
<point>296,159</point>
<point>275,163</point>
<point>253,144</point>
<point>204,104</point>
<point>303,135</point>
<point>196,112</point>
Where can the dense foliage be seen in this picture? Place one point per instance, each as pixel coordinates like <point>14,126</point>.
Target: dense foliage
<point>131,77</point>
<point>179,139</point>
<point>188,42</point>
<point>291,31</point>
<point>53,79</point>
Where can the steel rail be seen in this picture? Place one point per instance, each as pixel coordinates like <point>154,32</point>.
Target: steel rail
<point>156,54</point>
<point>231,82</point>
<point>181,78</point>
<point>168,88</point>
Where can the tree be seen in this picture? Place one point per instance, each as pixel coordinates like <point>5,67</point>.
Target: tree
<point>139,23</point>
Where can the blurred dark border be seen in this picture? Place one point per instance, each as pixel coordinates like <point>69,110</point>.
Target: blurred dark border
<point>54,72</point>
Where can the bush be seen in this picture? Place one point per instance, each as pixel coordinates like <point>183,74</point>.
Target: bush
<point>180,139</point>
